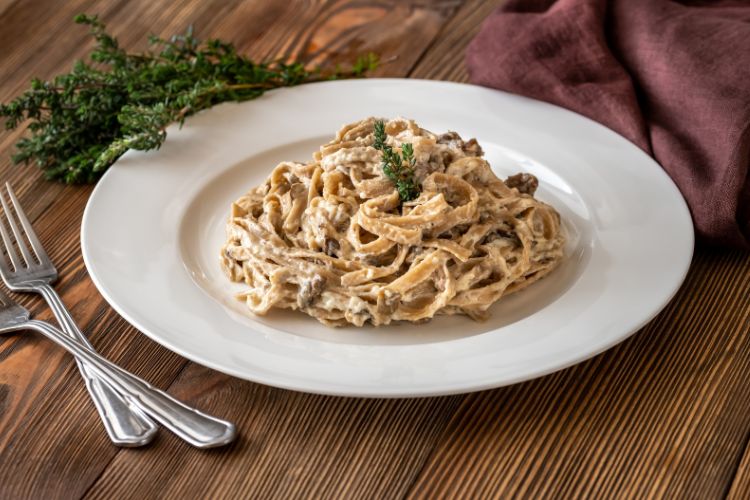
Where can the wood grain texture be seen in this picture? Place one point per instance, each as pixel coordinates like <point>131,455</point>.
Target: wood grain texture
<point>663,415</point>
<point>445,58</point>
<point>740,488</point>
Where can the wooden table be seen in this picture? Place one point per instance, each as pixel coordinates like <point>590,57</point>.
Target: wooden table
<point>664,414</point>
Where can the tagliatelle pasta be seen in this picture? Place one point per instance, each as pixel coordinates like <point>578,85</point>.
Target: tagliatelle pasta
<point>332,239</point>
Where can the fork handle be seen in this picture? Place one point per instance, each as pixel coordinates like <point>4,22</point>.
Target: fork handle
<point>125,423</point>
<point>195,427</point>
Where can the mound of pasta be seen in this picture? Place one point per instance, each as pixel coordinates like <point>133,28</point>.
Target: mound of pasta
<point>333,239</point>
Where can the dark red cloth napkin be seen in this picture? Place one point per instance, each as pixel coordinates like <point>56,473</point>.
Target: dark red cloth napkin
<point>671,76</point>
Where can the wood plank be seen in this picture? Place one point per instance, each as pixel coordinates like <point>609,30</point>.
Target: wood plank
<point>4,4</point>
<point>445,58</point>
<point>740,488</point>
<point>51,442</point>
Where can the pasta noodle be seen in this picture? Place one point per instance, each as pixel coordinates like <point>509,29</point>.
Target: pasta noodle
<point>332,239</point>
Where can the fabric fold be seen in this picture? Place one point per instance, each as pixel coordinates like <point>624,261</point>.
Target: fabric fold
<point>672,77</point>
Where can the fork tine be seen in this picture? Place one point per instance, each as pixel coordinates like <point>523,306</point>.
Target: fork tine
<point>9,249</point>
<point>16,234</point>
<point>36,245</point>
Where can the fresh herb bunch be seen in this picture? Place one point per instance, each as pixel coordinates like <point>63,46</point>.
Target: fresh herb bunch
<point>398,168</point>
<point>82,121</point>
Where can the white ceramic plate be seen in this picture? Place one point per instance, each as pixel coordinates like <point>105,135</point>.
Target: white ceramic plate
<point>154,225</point>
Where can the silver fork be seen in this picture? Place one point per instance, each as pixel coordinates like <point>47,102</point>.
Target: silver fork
<point>125,423</point>
<point>199,429</point>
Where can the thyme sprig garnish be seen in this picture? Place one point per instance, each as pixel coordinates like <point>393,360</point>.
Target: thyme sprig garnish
<point>398,168</point>
<point>82,121</point>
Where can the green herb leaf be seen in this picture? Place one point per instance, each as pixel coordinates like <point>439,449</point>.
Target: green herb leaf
<point>398,168</point>
<point>82,121</point>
